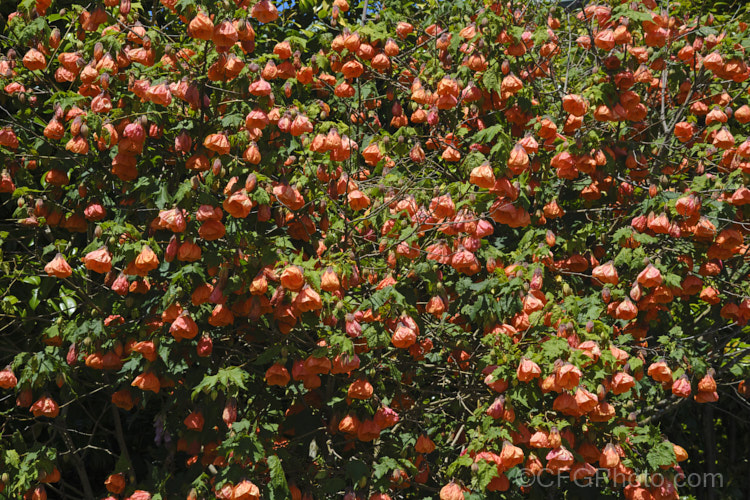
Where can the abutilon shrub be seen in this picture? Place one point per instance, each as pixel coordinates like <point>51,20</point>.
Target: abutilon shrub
<point>385,250</point>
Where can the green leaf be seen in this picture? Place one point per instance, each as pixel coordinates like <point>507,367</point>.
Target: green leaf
<point>672,280</point>
<point>162,197</point>
<point>229,378</point>
<point>486,472</point>
<point>356,470</point>
<point>12,457</point>
<point>661,454</point>
<point>462,461</point>
<point>491,79</point>
<point>34,299</point>
<point>635,363</point>
<point>554,348</point>
<point>279,487</point>
<point>232,121</point>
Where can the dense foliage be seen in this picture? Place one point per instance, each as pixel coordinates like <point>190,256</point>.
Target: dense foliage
<point>386,250</point>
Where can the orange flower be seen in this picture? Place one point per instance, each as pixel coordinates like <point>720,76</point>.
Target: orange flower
<point>34,60</point>
<point>352,69</point>
<point>404,337</point>
<point>451,491</point>
<point>424,444</point>
<point>343,363</point>
<point>146,260</point>
<point>188,252</point>
<point>252,154</point>
<point>54,130</point>
<point>585,400</point>
<point>218,143</point>
<point>277,374</point>
<point>221,316</point>
<point>609,458</point>
<point>56,177</point>
<point>435,306</point>
<point>183,328</point>
<point>510,456</point>
<point>99,261</point>
<point>201,27</point>
<point>707,383</point>
<point>238,204</point>
<point>173,219</point>
<point>289,196</point>
<point>198,162</point>
<point>360,389</point>
<point>260,87</point>
<point>349,424</point>
<point>626,310</point>
<point>704,230</point>
<point>115,483</point>
<point>574,104</point>
<point>146,348</point>
<point>606,273</point>
<point>45,406</point>
<point>706,397</point>
<point>372,154</point>
<point>622,383</point>
<point>123,399</point>
<point>650,277</point>
<point>211,230</point>
<point>451,154</point>
<point>225,34</point>
<point>723,139</point>
<point>58,267</point>
<point>300,125</point>
<point>358,200</point>
<point>292,278</point>
<point>147,381</point>
<point>368,430</point>
<point>527,370</point>
<point>605,40</point>
<point>78,145</point>
<point>194,421</point>
<point>317,366</point>
<point>7,379</point>
<point>567,376</point>
<point>660,372</point>
<point>264,11</point>
<point>483,176</point>
<point>553,211</point>
<point>308,300</point>
<point>603,412</point>
<point>329,282</point>
<point>710,295</point>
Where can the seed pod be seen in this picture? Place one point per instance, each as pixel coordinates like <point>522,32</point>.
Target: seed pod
<point>55,38</point>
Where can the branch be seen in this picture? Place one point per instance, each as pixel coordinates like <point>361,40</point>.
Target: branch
<point>364,13</point>
<point>121,442</point>
<point>88,493</point>
<point>660,413</point>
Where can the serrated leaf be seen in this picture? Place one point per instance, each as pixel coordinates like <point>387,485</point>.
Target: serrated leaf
<point>12,458</point>
<point>554,348</point>
<point>661,454</point>
<point>491,79</point>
